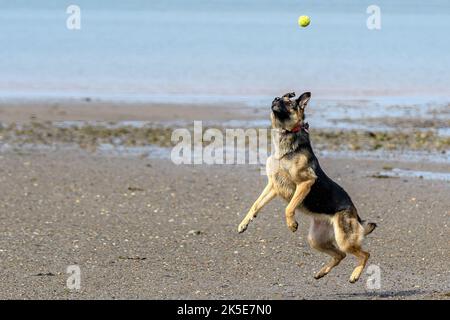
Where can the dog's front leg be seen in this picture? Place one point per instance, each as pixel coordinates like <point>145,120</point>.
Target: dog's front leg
<point>265,197</point>
<point>301,191</point>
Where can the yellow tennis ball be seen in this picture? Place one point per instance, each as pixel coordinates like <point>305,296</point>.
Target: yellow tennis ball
<point>303,21</point>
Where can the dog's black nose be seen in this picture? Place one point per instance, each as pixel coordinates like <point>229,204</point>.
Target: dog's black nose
<point>277,105</point>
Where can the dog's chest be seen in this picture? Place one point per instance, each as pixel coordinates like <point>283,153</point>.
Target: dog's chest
<point>286,174</point>
<point>283,182</point>
<point>284,185</point>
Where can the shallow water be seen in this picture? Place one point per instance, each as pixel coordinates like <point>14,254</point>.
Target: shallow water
<point>428,175</point>
<point>153,151</point>
<point>404,156</point>
<point>343,114</point>
<point>199,48</point>
<point>149,151</point>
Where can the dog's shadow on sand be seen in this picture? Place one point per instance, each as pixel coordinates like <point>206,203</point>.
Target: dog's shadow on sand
<point>382,294</point>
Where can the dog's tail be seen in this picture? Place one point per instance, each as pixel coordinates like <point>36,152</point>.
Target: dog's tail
<point>369,227</point>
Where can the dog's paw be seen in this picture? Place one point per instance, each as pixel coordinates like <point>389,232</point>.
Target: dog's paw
<point>353,278</point>
<point>242,227</point>
<point>319,275</point>
<point>293,226</point>
<point>356,274</point>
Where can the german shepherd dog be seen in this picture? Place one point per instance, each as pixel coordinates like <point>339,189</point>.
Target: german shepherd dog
<point>295,175</point>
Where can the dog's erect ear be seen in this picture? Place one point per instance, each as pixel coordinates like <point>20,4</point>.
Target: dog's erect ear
<point>303,100</point>
<point>289,95</point>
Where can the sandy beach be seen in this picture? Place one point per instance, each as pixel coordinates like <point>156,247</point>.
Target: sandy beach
<point>142,227</point>
<point>87,110</point>
<point>105,106</point>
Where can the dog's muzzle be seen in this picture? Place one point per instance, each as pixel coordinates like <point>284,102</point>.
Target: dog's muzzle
<point>278,105</point>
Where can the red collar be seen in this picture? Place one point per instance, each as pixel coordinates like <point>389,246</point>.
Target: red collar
<point>296,129</point>
<point>299,127</point>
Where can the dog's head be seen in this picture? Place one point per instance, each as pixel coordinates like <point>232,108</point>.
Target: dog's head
<point>289,114</point>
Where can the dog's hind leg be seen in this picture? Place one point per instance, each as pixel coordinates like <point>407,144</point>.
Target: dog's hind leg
<point>266,196</point>
<point>349,234</point>
<point>362,256</point>
<point>321,238</point>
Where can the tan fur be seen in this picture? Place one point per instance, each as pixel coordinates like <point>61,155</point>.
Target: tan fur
<point>291,178</point>
<point>334,235</point>
<point>321,238</point>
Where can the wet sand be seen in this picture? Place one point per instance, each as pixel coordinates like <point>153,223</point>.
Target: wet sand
<point>88,123</point>
<point>79,110</point>
<point>145,228</point>
<point>141,227</point>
